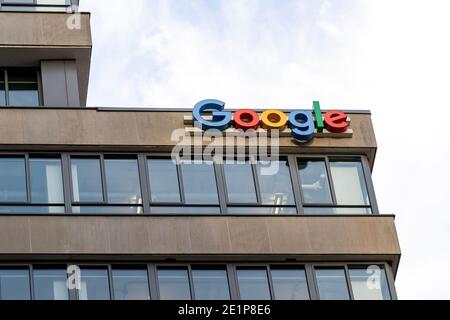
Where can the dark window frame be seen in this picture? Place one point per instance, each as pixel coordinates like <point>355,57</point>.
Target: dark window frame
<point>38,82</point>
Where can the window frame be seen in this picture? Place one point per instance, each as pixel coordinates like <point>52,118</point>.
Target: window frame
<point>5,72</point>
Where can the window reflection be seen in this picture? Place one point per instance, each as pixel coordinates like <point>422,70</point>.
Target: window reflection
<point>369,283</point>
<point>14,284</point>
<point>349,183</point>
<point>173,284</point>
<point>163,178</point>
<point>122,181</point>
<point>130,284</point>
<point>12,180</point>
<point>211,284</point>
<point>240,183</point>
<point>253,284</point>
<point>199,183</point>
<point>86,180</point>
<point>314,182</point>
<point>2,89</point>
<point>94,284</point>
<point>290,284</point>
<point>332,284</point>
<point>46,181</point>
<point>275,183</point>
<point>50,284</point>
<point>23,88</point>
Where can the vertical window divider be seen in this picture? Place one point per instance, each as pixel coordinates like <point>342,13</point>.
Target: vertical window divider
<point>144,182</point>
<point>28,178</point>
<point>39,87</point>
<point>234,284</point>
<point>253,161</point>
<point>390,279</point>
<point>349,283</point>
<point>103,175</point>
<point>180,183</point>
<point>152,282</point>
<point>220,181</point>
<point>311,281</point>
<point>269,278</point>
<point>110,281</point>
<point>6,88</point>
<point>191,282</point>
<point>30,272</point>
<point>296,186</point>
<point>67,182</point>
<point>330,179</point>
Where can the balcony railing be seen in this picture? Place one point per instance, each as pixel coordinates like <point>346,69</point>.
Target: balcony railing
<point>68,6</point>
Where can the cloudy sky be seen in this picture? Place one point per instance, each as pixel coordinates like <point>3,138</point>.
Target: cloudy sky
<point>392,57</point>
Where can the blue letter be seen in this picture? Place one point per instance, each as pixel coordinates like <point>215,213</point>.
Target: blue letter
<point>221,120</point>
<point>302,125</point>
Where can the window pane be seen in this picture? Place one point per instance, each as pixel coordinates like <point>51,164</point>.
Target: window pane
<point>336,210</point>
<point>173,284</point>
<point>130,284</point>
<point>192,210</point>
<point>199,182</point>
<point>240,183</point>
<point>2,94</point>
<point>33,209</point>
<point>87,180</point>
<point>14,284</point>
<point>163,177</point>
<point>314,182</point>
<point>122,181</point>
<point>349,183</point>
<point>23,94</point>
<point>50,284</point>
<point>12,180</point>
<point>94,284</point>
<point>275,183</point>
<point>211,284</point>
<point>253,284</point>
<point>46,181</point>
<point>369,283</point>
<point>107,210</point>
<point>262,210</point>
<point>332,284</point>
<point>290,284</point>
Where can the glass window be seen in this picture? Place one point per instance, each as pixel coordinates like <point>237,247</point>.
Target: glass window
<point>240,183</point>
<point>332,284</point>
<point>12,180</point>
<point>199,182</point>
<point>163,176</point>
<point>2,89</point>
<point>23,88</point>
<point>50,284</point>
<point>130,284</point>
<point>46,181</point>
<point>173,284</point>
<point>369,283</point>
<point>314,182</point>
<point>349,183</point>
<point>275,183</point>
<point>290,284</point>
<point>86,180</point>
<point>122,181</point>
<point>94,284</point>
<point>211,284</point>
<point>14,284</point>
<point>107,210</point>
<point>253,284</point>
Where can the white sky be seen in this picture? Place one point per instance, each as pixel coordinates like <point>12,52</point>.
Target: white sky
<point>392,57</point>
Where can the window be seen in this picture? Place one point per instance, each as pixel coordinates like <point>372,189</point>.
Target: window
<point>189,187</point>
<point>15,284</point>
<point>50,284</point>
<point>173,284</point>
<point>45,194</point>
<point>369,283</point>
<point>211,284</point>
<point>253,284</point>
<point>130,284</point>
<point>36,5</point>
<point>19,87</point>
<point>289,284</point>
<point>106,185</point>
<point>240,183</point>
<point>94,284</point>
<point>333,186</point>
<point>332,284</point>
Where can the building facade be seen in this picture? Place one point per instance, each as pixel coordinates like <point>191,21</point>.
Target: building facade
<point>92,205</point>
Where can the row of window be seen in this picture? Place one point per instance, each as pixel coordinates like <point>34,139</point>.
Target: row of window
<point>19,88</point>
<point>113,184</point>
<point>36,5</point>
<point>265,282</point>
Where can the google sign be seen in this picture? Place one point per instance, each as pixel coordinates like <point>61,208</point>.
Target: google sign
<point>303,124</point>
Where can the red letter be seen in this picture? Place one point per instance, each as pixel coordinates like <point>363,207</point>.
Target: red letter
<point>246,119</point>
<point>336,121</point>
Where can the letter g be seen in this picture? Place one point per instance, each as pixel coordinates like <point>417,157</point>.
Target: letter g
<point>221,120</point>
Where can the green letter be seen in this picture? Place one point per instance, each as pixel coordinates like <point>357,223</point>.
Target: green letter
<point>319,118</point>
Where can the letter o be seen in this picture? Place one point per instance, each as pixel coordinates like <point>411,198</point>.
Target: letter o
<point>246,119</point>
<point>274,120</point>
